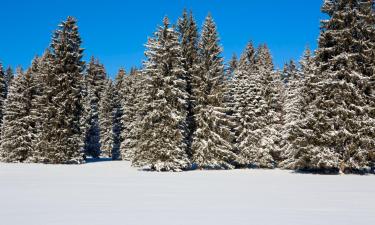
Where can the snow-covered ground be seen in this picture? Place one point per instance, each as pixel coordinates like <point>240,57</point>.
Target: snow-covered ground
<point>111,193</point>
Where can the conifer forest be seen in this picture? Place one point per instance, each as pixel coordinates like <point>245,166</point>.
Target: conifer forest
<point>186,108</point>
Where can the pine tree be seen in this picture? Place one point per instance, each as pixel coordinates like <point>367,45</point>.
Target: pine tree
<point>8,78</point>
<point>118,125</point>
<point>293,104</point>
<point>60,138</point>
<point>2,93</point>
<point>273,92</point>
<point>133,95</point>
<point>15,138</point>
<point>42,73</point>
<point>232,66</point>
<point>188,35</point>
<point>230,87</point>
<point>106,119</point>
<point>337,132</point>
<point>212,140</point>
<point>250,109</point>
<point>95,80</point>
<point>162,144</point>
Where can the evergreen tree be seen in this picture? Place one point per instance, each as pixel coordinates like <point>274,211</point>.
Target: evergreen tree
<point>232,66</point>
<point>251,109</point>
<point>60,138</point>
<point>273,92</point>
<point>106,113</point>
<point>337,132</point>
<point>230,87</point>
<point>95,80</point>
<point>133,95</point>
<point>212,140</point>
<point>293,103</point>
<point>188,35</point>
<point>162,144</point>
<point>42,74</point>
<point>15,137</point>
<point>118,125</point>
<point>2,93</point>
<point>8,78</point>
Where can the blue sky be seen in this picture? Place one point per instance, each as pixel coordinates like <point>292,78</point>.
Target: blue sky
<point>116,31</point>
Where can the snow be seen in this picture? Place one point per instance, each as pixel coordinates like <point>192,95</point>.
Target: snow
<point>109,192</point>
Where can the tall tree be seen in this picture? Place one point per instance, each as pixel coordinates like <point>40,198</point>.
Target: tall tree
<point>2,93</point>
<point>95,81</point>
<point>212,140</point>
<point>292,105</point>
<point>337,130</point>
<point>60,138</point>
<point>15,137</point>
<point>118,125</point>
<point>133,101</point>
<point>162,144</point>
<point>254,93</point>
<point>188,35</point>
<point>106,120</point>
<point>9,75</point>
<point>232,66</point>
<point>273,91</point>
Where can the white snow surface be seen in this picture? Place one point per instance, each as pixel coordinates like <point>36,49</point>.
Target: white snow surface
<point>107,192</point>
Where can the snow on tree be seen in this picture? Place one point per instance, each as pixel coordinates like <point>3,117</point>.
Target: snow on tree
<point>232,66</point>
<point>134,97</point>
<point>95,82</point>
<point>212,140</point>
<point>106,113</point>
<point>230,87</point>
<point>292,107</point>
<point>16,131</point>
<point>162,144</point>
<point>3,92</point>
<point>9,75</point>
<point>273,93</point>
<point>250,110</point>
<point>60,138</point>
<point>188,37</point>
<point>118,112</point>
<point>42,74</point>
<point>337,132</point>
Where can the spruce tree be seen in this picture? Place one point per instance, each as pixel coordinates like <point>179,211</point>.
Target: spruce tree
<point>60,138</point>
<point>132,93</point>
<point>15,137</point>
<point>188,36</point>
<point>251,109</point>
<point>232,66</point>
<point>212,140</point>
<point>162,144</point>
<point>273,92</point>
<point>2,93</point>
<point>43,76</point>
<point>292,105</point>
<point>118,125</point>
<point>8,78</point>
<point>95,81</point>
<point>337,131</point>
<point>106,120</point>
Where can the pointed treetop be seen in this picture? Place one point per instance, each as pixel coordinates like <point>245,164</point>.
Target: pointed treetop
<point>166,21</point>
<point>264,58</point>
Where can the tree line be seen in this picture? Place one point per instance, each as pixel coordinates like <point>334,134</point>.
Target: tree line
<point>187,109</point>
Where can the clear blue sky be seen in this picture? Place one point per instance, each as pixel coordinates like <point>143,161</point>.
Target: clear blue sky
<point>116,31</point>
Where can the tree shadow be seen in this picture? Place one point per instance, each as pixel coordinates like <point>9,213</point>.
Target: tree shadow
<point>98,160</point>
